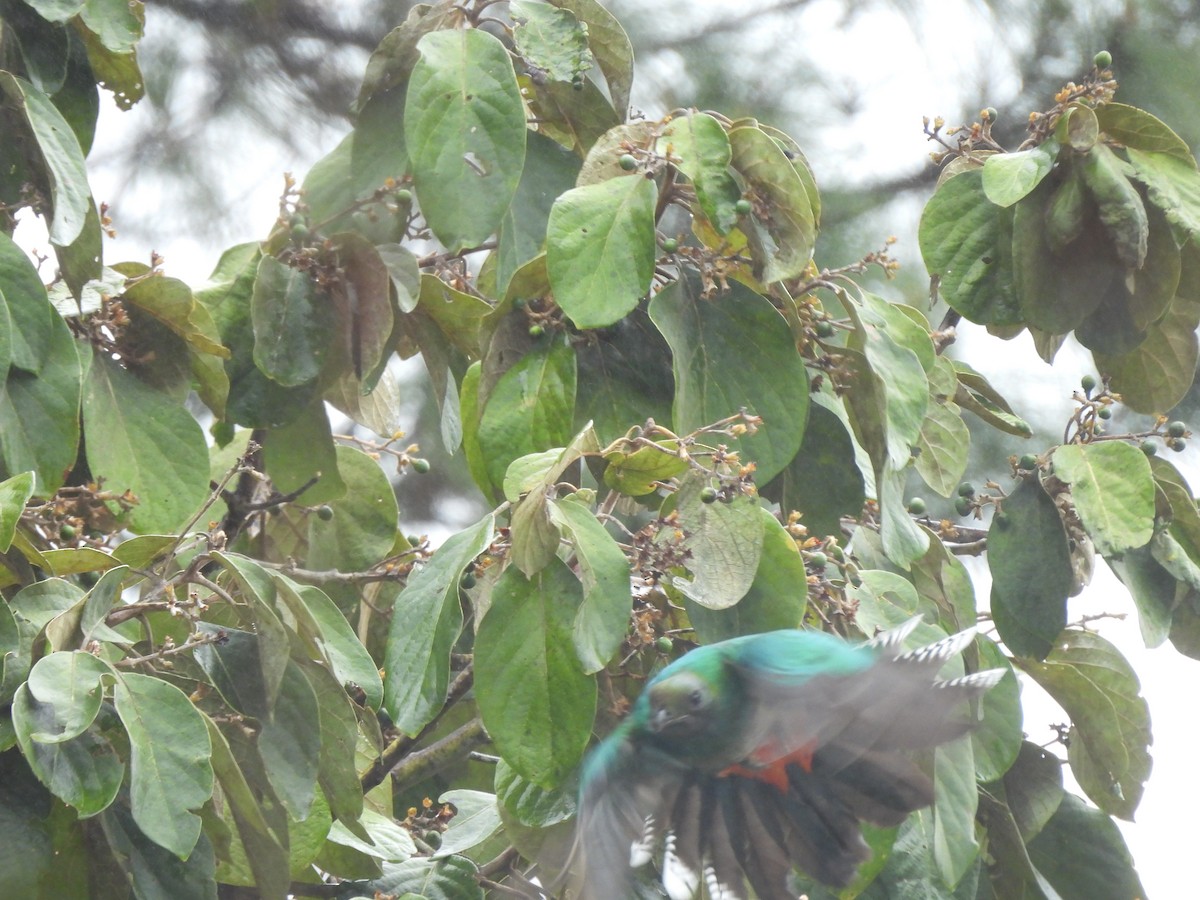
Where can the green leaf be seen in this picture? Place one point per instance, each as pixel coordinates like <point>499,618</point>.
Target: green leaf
<point>169,770</point>
<point>14,492</point>
<point>534,698</point>
<point>531,805</point>
<point>290,744</point>
<point>575,115</point>
<point>30,314</point>
<point>119,25</point>
<point>1030,564</point>
<point>1082,854</point>
<point>1113,492</point>
<point>390,841</point>
<point>69,682</point>
<point>338,737</point>
<point>417,660</point>
<point>600,249</point>
<point>602,619</point>
<point>530,409</point>
<point>339,189</point>
<point>464,123</point>
<point>142,441</point>
<point>422,878</point>
<point>944,444</point>
<point>327,627</point>
<point>610,45</point>
<point>39,414</point>
<point>361,299</point>
<point>1007,177</point>
<point>715,377</point>
<point>783,224</point>
<point>155,873</point>
<point>725,540</point>
<point>1135,128</point>
<point>1110,733</point>
<point>84,772</point>
<point>65,167</point>
<point>997,739</point>
<point>476,819</point>
<point>776,599</point>
<point>551,39</point>
<point>823,482</point>
<point>363,528</point>
<point>293,323</point>
<point>1121,209</point>
<point>904,541</point>
<point>1033,788</point>
<point>637,472</point>
<point>301,451</point>
<point>1151,586</point>
<point>1156,375</point>
<point>233,662</point>
<point>955,802</point>
<point>550,171</point>
<point>976,394</point>
<point>702,146</point>
<point>966,242</point>
<point>268,861</point>
<point>1172,184</point>
<point>404,273</point>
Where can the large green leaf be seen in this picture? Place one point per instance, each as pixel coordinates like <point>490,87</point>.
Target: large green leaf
<point>338,737</point>
<point>549,172</point>
<point>84,772</point>
<point>715,376</point>
<point>452,878</point>
<point>290,744</point>
<point>363,528</point>
<point>14,492</point>
<point>30,315</point>
<point>782,226</point>
<point>476,819</point>
<point>530,409</point>
<point>777,597</point>
<point>39,414</point>
<point>60,150</point>
<point>1173,186</point>
<point>602,619</point>
<point>1110,734</point>
<point>293,322</point>
<point>1007,177</point>
<point>465,127</point>
<point>966,241</point>
<point>141,440</point>
<point>535,700</point>
<point>69,682</point>
<point>1136,128</point>
<point>553,40</point>
<point>169,770</point>
<point>725,540</point>
<point>610,45</point>
<point>153,872</point>
<point>1030,564</point>
<point>300,451</point>
<point>600,249</point>
<point>702,147</point>
<point>824,481</point>
<point>1083,855</point>
<point>1113,492</point>
<point>956,799</point>
<point>426,624</point>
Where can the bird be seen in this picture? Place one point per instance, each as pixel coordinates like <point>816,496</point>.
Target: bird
<point>745,758</point>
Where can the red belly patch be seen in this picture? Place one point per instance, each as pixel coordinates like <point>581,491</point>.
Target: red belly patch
<point>767,765</point>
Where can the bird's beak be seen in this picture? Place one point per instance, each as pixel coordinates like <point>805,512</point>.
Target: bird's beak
<point>662,719</point>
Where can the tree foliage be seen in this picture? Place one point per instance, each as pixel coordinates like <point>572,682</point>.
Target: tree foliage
<point>226,665</point>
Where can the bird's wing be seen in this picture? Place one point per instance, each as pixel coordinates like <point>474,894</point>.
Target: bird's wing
<point>893,701</point>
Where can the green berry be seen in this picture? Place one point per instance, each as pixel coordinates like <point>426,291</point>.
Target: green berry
<point>742,207</point>
<point>1149,448</point>
<point>627,162</point>
<point>325,513</point>
<point>420,466</point>
<point>404,195</point>
<point>708,495</point>
<point>1103,59</point>
<point>1104,412</point>
<point>825,329</point>
<point>520,303</point>
<point>413,540</point>
<point>536,331</point>
<point>1177,429</point>
<point>1088,383</point>
<point>1028,462</point>
<point>66,532</point>
<point>916,506</point>
<point>991,114</point>
<point>299,232</point>
<point>962,506</point>
<point>468,580</point>
<point>818,560</point>
<point>966,489</point>
<point>670,245</point>
<point>664,644</point>
<point>1177,444</point>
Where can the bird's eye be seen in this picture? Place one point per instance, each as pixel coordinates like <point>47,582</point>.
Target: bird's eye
<point>696,699</point>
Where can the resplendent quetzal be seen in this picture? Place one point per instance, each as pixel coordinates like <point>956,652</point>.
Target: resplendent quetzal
<point>748,757</point>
